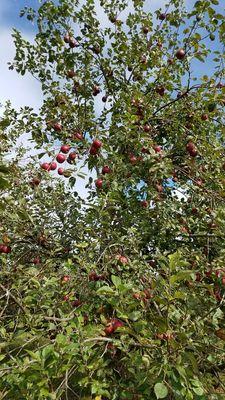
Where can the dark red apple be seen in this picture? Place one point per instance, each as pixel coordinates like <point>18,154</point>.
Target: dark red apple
<point>53,166</point>
<point>57,127</point>
<point>96,90</point>
<point>76,303</point>
<point>147,128</point>
<point>60,171</point>
<point>46,166</point>
<point>72,156</point>
<point>144,203</point>
<point>160,90</point>
<point>104,99</point>
<point>133,159</point>
<point>73,43</point>
<point>157,148</point>
<point>97,143</point>
<point>145,30</point>
<point>93,151</point>
<point>66,38</point>
<point>162,16</point>
<point>71,73</point>
<point>78,135</point>
<point>37,260</point>
<point>99,183</point>
<point>65,148</point>
<point>5,249</point>
<point>204,117</point>
<point>65,279</point>
<point>35,182</point>
<point>60,158</point>
<point>93,276</point>
<point>191,149</point>
<point>106,170</point>
<point>116,323</point>
<point>180,54</point>
<point>109,329</point>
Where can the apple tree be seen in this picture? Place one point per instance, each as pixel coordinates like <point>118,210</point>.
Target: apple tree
<point>117,294</point>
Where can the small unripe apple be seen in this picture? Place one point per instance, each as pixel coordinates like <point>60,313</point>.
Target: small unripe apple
<point>97,143</point>
<point>180,54</point>
<point>60,171</point>
<point>72,156</point>
<point>99,183</point>
<point>57,127</point>
<point>106,170</point>
<point>45,166</point>
<point>60,158</point>
<point>53,166</point>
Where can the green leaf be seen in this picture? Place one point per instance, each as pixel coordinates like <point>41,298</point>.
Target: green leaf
<point>105,290</point>
<point>160,390</point>
<point>116,280</point>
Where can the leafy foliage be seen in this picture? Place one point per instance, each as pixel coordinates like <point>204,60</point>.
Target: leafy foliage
<point>120,294</point>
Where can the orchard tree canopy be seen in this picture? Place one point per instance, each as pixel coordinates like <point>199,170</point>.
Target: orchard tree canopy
<point>118,293</point>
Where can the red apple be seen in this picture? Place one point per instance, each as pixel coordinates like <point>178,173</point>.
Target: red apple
<point>157,148</point>
<point>35,182</point>
<point>66,38</point>
<point>99,183</point>
<point>57,127</point>
<point>73,43</point>
<point>65,148</point>
<point>162,16</point>
<point>109,329</point>
<point>76,303</point>
<point>122,259</point>
<point>60,171</point>
<point>5,249</point>
<point>60,158</point>
<point>191,149</point>
<point>160,90</point>
<point>46,166</point>
<point>133,159</point>
<point>72,155</point>
<point>180,54</point>
<point>78,135</point>
<point>106,170</point>
<point>66,278</point>
<point>93,151</point>
<point>204,117</point>
<point>71,73</point>
<point>144,203</point>
<point>104,99</point>
<point>116,323</point>
<point>93,276</point>
<point>145,30</point>
<point>146,128</point>
<point>53,166</point>
<point>97,143</point>
<point>37,260</point>
<point>96,90</point>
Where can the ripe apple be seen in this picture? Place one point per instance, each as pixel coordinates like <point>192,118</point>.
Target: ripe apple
<point>204,117</point>
<point>60,171</point>
<point>60,158</point>
<point>157,148</point>
<point>65,148</point>
<point>37,260</point>
<point>66,297</point>
<point>180,54</point>
<point>72,156</point>
<point>66,38</point>
<point>109,329</point>
<point>73,43</point>
<point>116,323</point>
<point>170,61</point>
<point>97,143</point>
<point>145,30</point>
<point>46,166</point>
<point>65,279</point>
<point>99,183</point>
<point>162,16</point>
<point>96,49</point>
<point>106,170</point>
<point>122,259</point>
<point>198,277</point>
<point>5,249</point>
<point>71,73</point>
<point>146,128</point>
<point>161,90</point>
<point>191,149</point>
<point>104,99</point>
<point>35,182</point>
<point>57,127</point>
<point>78,135</point>
<point>76,303</point>
<point>93,276</point>
<point>93,151</point>
<point>96,90</point>
<point>144,203</point>
<point>53,166</point>
<point>133,159</point>
<point>145,150</point>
